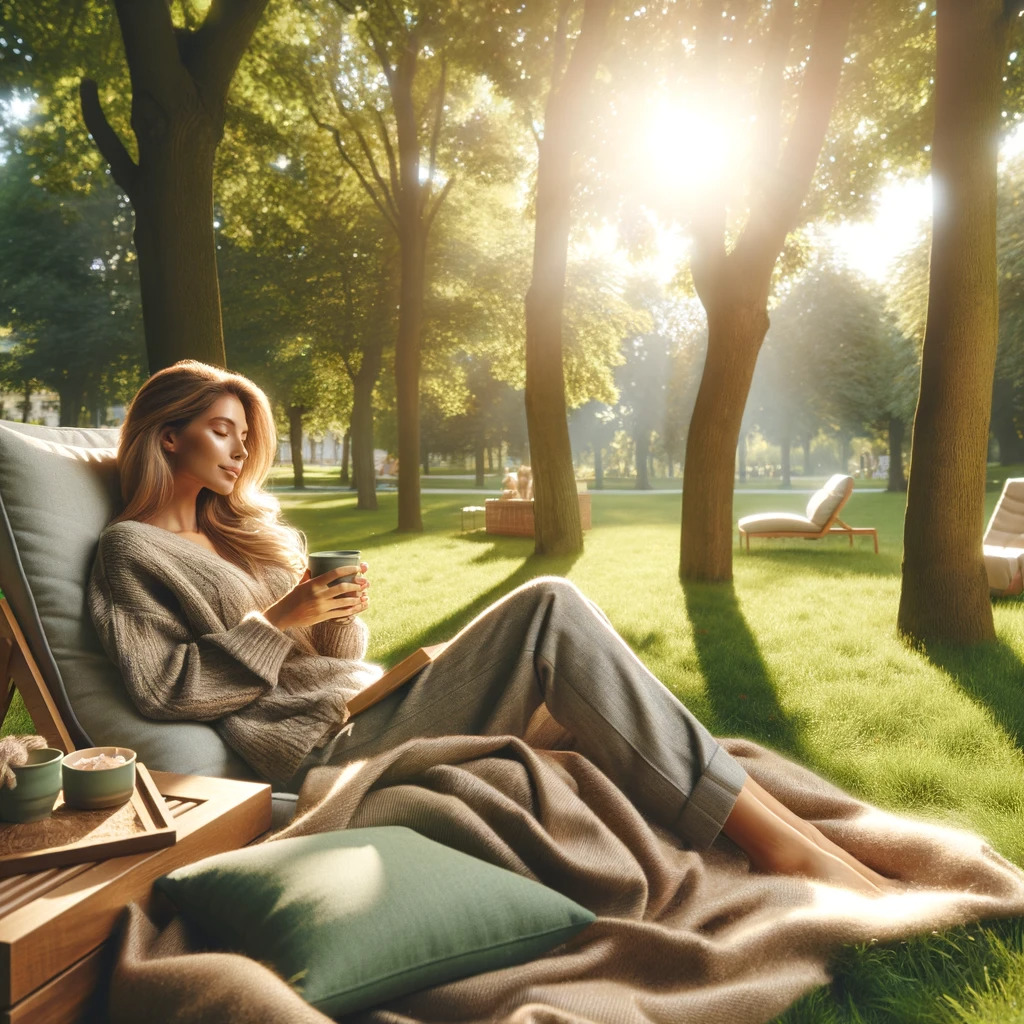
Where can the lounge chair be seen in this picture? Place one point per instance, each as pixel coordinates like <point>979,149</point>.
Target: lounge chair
<point>1003,543</point>
<point>821,518</point>
<point>58,489</point>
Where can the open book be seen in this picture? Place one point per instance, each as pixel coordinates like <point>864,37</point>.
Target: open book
<point>394,678</point>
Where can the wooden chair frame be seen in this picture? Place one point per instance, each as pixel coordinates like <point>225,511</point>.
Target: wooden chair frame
<point>834,525</point>
<point>21,673</point>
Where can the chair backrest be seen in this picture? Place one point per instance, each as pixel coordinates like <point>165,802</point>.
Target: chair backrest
<point>1006,527</point>
<point>58,489</point>
<point>826,502</point>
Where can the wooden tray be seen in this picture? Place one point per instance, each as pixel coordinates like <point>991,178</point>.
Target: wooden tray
<point>71,836</point>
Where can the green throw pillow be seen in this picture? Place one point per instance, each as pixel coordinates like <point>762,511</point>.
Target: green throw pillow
<point>356,917</point>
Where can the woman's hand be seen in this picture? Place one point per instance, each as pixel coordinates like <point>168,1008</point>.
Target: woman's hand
<point>322,599</point>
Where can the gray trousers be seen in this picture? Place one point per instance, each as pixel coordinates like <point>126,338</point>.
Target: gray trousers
<point>546,643</point>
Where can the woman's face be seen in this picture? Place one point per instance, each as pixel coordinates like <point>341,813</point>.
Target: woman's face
<point>210,449</point>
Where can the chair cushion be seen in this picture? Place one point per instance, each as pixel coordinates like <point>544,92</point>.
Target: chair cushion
<point>1004,566</point>
<point>356,917</point>
<point>778,522</point>
<point>58,489</point>
<point>824,502</point>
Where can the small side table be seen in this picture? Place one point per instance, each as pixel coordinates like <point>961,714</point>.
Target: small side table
<point>472,511</point>
<point>55,925</point>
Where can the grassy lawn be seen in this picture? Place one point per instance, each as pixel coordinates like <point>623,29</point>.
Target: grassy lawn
<point>801,654</point>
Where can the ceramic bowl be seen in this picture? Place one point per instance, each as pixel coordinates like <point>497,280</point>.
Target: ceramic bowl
<point>38,785</point>
<point>90,789</point>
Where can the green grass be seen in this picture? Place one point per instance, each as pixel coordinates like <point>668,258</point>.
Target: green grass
<point>801,654</point>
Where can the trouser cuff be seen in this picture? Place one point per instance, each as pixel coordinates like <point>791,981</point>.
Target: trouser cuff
<point>711,801</point>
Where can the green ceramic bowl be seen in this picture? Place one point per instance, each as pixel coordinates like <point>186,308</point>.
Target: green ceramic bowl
<point>38,785</point>
<point>90,789</point>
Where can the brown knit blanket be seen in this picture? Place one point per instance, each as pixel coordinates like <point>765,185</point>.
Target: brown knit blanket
<point>679,936</point>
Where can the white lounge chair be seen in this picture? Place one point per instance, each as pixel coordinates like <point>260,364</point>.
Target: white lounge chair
<point>821,518</point>
<point>1003,543</point>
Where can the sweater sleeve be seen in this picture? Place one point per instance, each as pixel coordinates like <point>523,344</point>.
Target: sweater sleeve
<point>341,640</point>
<point>172,668</point>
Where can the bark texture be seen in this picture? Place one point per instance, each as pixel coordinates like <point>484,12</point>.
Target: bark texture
<point>557,528</point>
<point>734,285</point>
<point>179,80</point>
<point>944,596</point>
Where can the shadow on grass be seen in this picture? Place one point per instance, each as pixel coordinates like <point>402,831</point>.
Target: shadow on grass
<point>991,674</point>
<point>743,698</point>
<point>829,561</point>
<point>446,628</point>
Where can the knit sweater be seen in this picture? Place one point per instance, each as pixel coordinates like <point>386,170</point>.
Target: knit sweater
<point>185,628</point>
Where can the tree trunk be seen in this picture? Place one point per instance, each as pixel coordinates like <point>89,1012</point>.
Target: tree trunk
<point>734,285</point>
<point>407,381</point>
<point>180,79</point>
<point>642,442</point>
<point>897,429</point>
<point>1003,425</point>
<point>295,414</point>
<point>479,455</point>
<point>362,428</point>
<point>175,243</point>
<point>735,333</point>
<point>412,241</point>
<point>557,528</point>
<point>26,403</point>
<point>343,476</point>
<point>598,468</point>
<point>741,457</point>
<point>71,394</point>
<point>944,596</point>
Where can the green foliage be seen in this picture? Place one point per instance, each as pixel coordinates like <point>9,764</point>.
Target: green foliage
<point>833,356</point>
<point>47,48</point>
<point>907,297</point>
<point>68,291</point>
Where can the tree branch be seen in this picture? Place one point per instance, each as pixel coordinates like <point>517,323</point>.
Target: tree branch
<point>221,41</point>
<point>558,48</point>
<point>769,119</point>
<point>151,47</point>
<point>389,150</point>
<point>709,222</point>
<point>776,215</point>
<point>442,88</point>
<point>432,211</point>
<point>367,152</point>
<point>112,149</point>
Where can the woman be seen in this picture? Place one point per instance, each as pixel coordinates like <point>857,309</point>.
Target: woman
<point>200,596</point>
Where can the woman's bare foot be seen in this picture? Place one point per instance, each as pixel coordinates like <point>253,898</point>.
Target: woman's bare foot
<point>774,843</point>
<point>805,828</point>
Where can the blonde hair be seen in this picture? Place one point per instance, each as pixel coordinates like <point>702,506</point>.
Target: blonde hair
<point>245,526</point>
